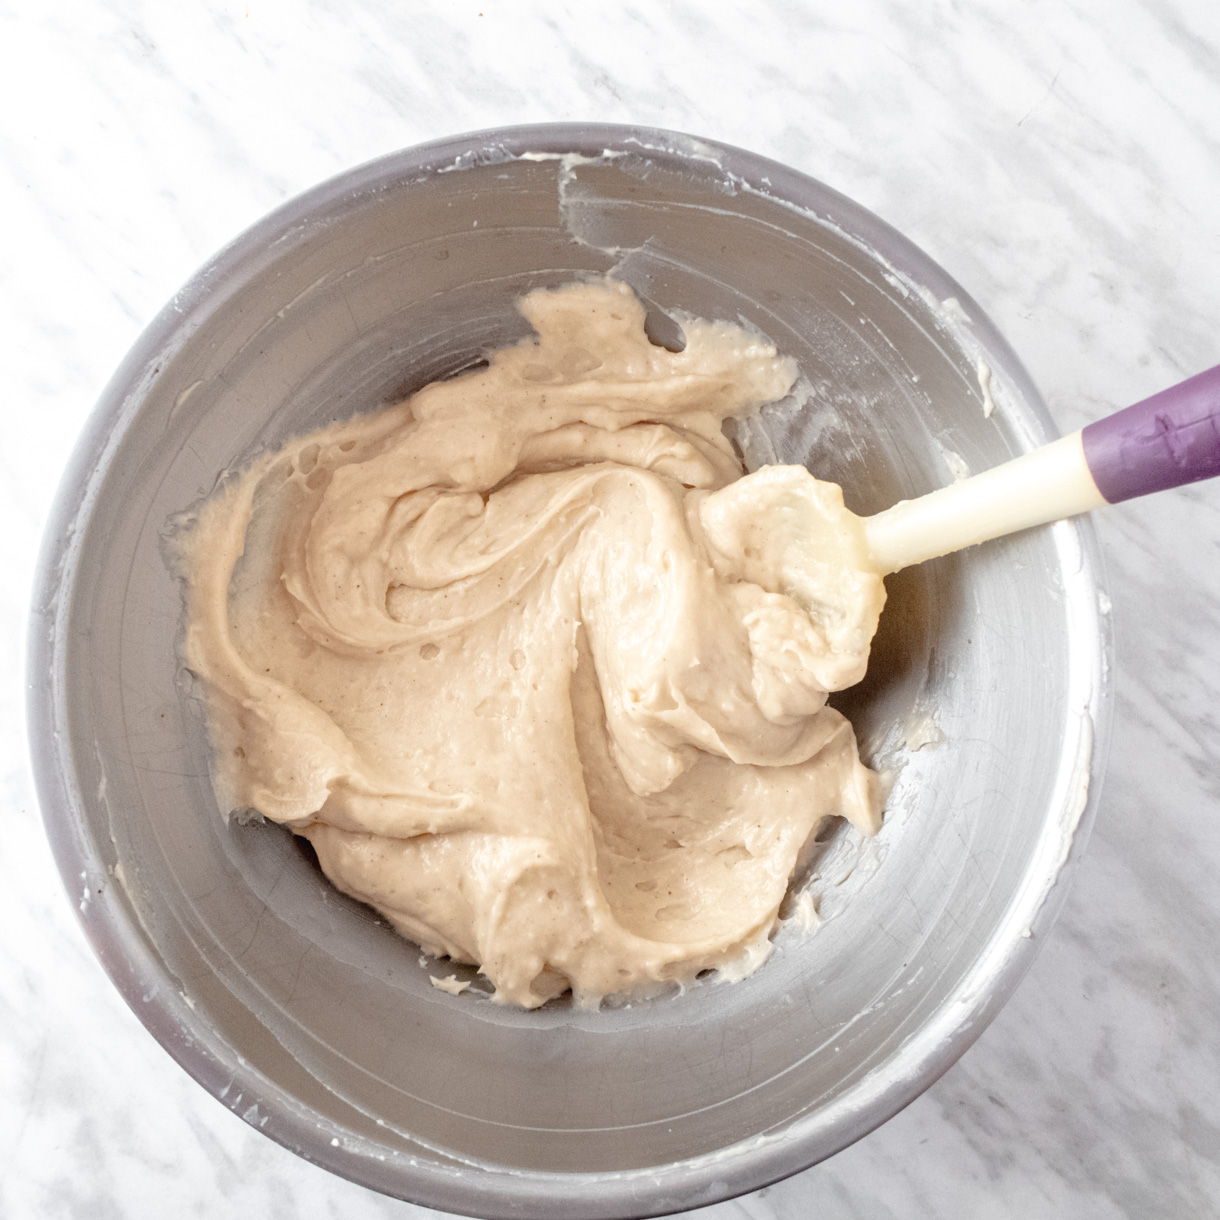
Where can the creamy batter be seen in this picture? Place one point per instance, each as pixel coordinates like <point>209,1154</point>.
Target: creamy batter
<point>536,671</point>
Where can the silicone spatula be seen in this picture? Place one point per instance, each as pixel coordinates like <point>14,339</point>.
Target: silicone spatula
<point>1168,440</point>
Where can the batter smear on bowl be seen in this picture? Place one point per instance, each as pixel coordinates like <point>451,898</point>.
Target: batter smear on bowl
<point>537,672</point>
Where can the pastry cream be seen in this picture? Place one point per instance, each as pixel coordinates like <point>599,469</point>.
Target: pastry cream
<point>536,671</point>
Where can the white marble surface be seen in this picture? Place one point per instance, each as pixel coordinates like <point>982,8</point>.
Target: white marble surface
<point>1061,159</point>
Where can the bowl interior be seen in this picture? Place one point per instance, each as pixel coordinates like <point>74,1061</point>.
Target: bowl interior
<point>301,1008</point>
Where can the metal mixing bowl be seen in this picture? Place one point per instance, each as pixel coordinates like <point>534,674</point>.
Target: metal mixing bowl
<point>304,1012</point>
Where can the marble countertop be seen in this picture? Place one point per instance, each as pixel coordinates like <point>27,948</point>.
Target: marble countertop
<point>1061,158</point>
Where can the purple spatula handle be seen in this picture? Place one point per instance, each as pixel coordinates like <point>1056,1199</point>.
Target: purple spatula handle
<point>1167,440</point>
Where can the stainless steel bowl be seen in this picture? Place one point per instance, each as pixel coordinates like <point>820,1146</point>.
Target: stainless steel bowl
<point>300,1009</point>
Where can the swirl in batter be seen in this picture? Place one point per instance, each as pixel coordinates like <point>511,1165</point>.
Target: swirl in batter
<point>537,672</point>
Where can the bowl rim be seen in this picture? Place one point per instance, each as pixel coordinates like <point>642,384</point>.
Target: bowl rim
<point>114,930</point>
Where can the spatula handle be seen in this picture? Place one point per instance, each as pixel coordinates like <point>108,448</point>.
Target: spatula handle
<point>1168,440</point>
